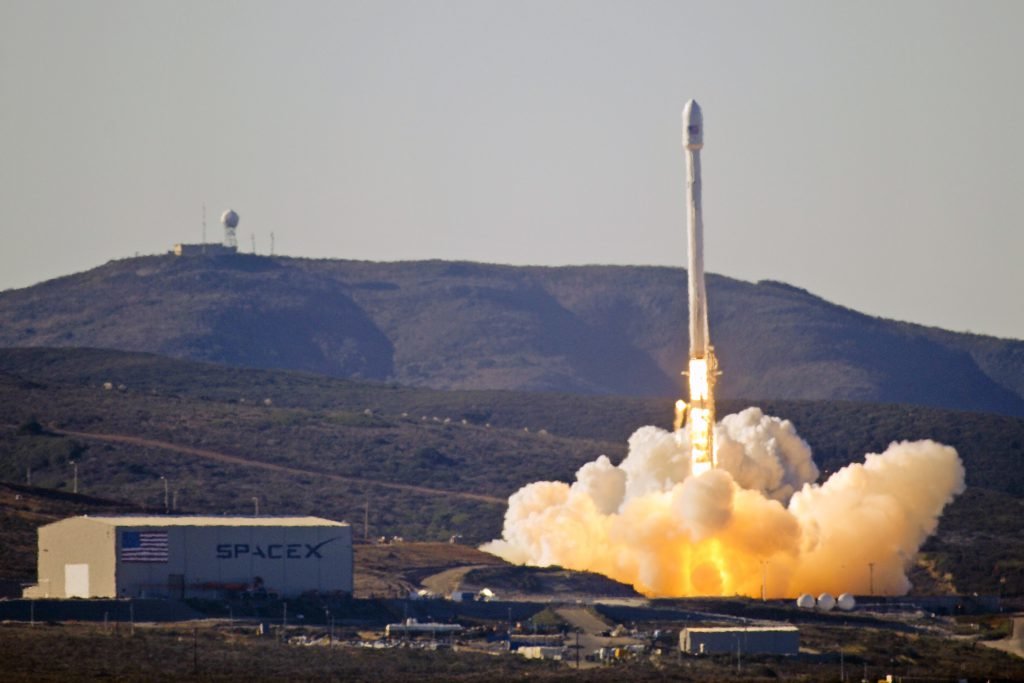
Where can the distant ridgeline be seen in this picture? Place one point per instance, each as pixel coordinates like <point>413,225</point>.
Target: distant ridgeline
<point>458,325</point>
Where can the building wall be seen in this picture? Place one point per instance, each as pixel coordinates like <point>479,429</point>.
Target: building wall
<point>201,559</point>
<point>289,560</point>
<point>75,541</point>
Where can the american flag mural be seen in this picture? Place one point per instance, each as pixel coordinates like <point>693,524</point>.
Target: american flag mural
<point>144,546</point>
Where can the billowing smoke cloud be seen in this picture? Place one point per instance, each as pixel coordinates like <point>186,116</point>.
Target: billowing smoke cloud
<point>648,523</point>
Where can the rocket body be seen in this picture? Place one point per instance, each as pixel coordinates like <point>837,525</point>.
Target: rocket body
<point>693,141</point>
<point>702,371</point>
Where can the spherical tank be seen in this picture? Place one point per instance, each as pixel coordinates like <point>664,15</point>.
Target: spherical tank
<point>230,219</point>
<point>846,602</point>
<point>826,602</point>
<point>805,601</point>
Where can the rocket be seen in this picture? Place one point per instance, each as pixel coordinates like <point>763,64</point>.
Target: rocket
<point>693,142</point>
<point>702,372</point>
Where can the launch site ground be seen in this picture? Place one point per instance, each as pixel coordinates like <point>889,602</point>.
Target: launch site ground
<point>365,453</point>
<point>618,632</point>
<point>638,641</point>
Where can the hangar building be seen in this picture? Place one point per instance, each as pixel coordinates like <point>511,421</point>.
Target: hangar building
<point>179,557</point>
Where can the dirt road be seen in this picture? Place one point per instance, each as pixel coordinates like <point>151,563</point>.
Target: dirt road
<point>245,462</point>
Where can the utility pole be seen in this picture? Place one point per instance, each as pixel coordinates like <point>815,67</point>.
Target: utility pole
<point>871,578</point>
<point>366,520</point>
<point>74,488</point>
<point>167,496</point>
<point>256,506</point>
<point>577,649</point>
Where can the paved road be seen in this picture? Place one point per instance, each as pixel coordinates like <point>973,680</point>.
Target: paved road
<point>1014,644</point>
<point>591,626</point>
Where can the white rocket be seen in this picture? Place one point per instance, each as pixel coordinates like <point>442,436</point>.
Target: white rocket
<point>699,415</point>
<point>693,141</point>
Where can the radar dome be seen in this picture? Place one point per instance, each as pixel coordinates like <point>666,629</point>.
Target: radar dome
<point>846,602</point>
<point>230,219</point>
<point>805,601</point>
<point>826,602</point>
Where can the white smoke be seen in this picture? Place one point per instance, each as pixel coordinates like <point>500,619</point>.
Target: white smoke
<point>758,516</point>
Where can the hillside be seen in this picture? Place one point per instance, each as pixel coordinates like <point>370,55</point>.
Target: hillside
<point>419,463</point>
<point>586,330</point>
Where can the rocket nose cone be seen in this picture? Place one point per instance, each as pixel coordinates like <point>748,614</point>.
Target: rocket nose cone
<point>691,111</point>
<point>693,126</point>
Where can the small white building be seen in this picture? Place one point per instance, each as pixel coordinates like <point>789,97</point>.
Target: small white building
<point>753,640</point>
<point>203,250</point>
<point>179,557</point>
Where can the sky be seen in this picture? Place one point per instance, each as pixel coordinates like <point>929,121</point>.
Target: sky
<point>870,152</point>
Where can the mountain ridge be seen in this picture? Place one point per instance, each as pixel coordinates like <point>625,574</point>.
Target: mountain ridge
<point>461,325</point>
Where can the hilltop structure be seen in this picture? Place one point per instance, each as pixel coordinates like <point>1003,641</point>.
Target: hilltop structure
<point>203,250</point>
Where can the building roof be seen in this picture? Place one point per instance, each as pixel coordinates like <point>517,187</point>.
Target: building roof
<point>741,629</point>
<point>190,520</point>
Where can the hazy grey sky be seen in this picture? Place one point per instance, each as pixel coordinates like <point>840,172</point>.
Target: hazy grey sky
<point>871,152</point>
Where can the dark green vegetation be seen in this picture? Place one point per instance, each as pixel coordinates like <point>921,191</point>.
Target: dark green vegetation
<point>592,329</point>
<point>75,652</point>
<point>25,508</point>
<point>338,448</point>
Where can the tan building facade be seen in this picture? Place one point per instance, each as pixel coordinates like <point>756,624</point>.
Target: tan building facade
<point>179,557</point>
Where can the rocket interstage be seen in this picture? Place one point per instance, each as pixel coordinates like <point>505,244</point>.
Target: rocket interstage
<point>702,370</point>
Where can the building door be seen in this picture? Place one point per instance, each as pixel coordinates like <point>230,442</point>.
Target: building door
<point>76,581</point>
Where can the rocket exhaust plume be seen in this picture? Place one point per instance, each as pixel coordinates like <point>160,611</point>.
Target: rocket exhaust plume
<point>733,508</point>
